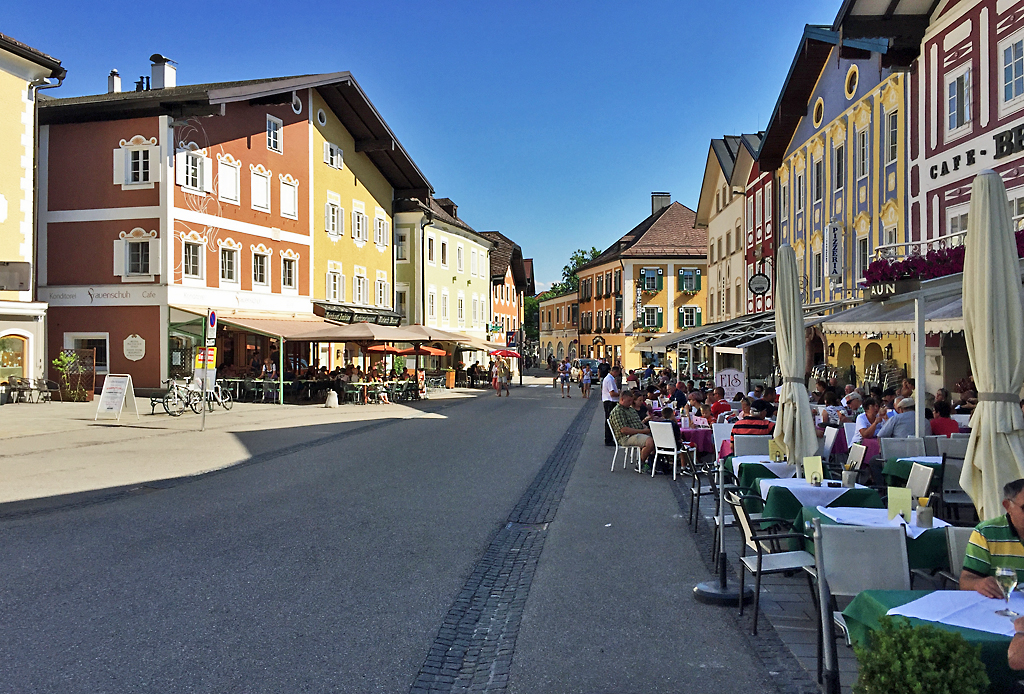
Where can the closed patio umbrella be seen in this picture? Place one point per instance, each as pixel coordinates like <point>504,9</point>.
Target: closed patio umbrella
<point>994,329</point>
<point>794,428</point>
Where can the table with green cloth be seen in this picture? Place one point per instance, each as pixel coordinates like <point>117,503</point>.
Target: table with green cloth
<point>782,504</point>
<point>927,552</point>
<point>748,474</point>
<point>862,618</point>
<point>896,471</point>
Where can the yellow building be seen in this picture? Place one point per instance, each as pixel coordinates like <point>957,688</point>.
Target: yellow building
<point>358,170</point>
<point>649,282</point>
<point>23,72</point>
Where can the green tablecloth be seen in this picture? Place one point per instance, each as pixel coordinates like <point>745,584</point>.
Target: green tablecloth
<point>782,504</point>
<point>926,552</point>
<point>862,618</point>
<point>749,475</point>
<point>896,472</point>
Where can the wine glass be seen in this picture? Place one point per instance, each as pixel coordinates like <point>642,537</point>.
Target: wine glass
<point>1007,580</point>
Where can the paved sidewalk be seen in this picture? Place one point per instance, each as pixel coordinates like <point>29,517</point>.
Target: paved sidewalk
<point>51,449</point>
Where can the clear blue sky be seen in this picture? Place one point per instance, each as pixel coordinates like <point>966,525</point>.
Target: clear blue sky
<point>551,122</point>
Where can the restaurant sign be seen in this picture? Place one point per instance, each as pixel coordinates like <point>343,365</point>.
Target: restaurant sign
<point>352,314</point>
<point>834,252</point>
<point>883,290</point>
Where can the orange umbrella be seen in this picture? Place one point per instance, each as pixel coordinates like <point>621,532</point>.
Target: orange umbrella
<point>383,349</point>
<point>422,350</point>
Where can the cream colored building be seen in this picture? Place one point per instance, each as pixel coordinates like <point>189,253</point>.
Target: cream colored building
<point>23,71</point>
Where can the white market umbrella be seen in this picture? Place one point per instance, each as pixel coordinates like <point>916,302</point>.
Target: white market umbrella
<point>794,427</point>
<point>994,328</point>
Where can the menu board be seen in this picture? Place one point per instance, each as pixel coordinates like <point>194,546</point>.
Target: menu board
<point>117,389</point>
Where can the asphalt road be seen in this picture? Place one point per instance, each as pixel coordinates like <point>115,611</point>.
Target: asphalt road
<point>333,567</point>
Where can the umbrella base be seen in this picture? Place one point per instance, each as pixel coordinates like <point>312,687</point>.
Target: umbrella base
<point>713,593</point>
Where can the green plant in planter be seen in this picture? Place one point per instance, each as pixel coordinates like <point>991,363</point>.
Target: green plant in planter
<point>399,363</point>
<point>904,659</point>
<point>67,365</point>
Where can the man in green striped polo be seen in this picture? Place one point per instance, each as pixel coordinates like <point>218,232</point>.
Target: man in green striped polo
<point>996,543</point>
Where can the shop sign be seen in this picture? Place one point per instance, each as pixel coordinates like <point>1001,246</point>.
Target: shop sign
<point>883,290</point>
<point>731,381</point>
<point>759,284</point>
<point>206,358</point>
<point>134,348</point>
<point>345,314</point>
<point>834,251</point>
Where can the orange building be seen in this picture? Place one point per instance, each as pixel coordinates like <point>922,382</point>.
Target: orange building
<point>559,325</point>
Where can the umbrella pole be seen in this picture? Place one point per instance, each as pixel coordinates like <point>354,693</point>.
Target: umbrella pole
<point>718,592</point>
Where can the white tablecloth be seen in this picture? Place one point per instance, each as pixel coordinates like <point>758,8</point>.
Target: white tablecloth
<point>806,494</point>
<point>877,518</point>
<point>782,470</point>
<point>963,608</point>
<point>929,459</point>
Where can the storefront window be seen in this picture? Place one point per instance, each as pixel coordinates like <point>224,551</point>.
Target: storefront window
<point>12,356</point>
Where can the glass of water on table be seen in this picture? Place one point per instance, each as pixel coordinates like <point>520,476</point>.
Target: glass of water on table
<point>1007,580</point>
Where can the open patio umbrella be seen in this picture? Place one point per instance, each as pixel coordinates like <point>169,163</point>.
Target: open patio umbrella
<point>994,330</point>
<point>422,351</point>
<point>794,428</point>
<point>383,349</point>
<point>505,353</point>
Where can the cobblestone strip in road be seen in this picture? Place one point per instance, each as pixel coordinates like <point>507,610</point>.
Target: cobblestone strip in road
<point>473,648</point>
<point>783,668</point>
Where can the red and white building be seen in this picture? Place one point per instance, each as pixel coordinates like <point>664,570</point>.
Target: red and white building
<point>757,220</point>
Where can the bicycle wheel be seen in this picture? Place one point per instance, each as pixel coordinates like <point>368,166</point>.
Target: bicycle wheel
<point>225,400</point>
<point>173,404</point>
<point>195,401</point>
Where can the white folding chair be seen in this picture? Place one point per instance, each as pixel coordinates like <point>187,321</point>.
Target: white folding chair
<point>722,417</point>
<point>856,458</point>
<point>665,444</point>
<point>831,434</point>
<point>744,444</point>
<point>901,448</point>
<point>920,480</point>
<point>953,452</point>
<point>721,434</point>
<point>931,445</point>
<point>628,452</point>
<point>956,551</point>
<point>851,430</point>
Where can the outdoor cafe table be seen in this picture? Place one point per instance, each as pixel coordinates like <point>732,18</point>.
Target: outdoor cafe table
<point>703,439</point>
<point>897,470</point>
<point>927,551</point>
<point>749,468</point>
<point>862,618</point>
<point>785,498</point>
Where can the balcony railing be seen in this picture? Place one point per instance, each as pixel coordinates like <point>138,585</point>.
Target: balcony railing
<point>901,251</point>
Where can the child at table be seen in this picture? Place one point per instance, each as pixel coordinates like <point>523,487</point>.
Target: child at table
<point>669,415</point>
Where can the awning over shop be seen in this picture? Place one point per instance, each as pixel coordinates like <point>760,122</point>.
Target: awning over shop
<point>745,329</point>
<point>306,327</point>
<point>942,315</point>
<point>342,313</point>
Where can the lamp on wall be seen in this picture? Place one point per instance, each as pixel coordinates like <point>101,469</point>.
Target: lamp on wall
<point>832,350</point>
<point>856,351</point>
<point>888,351</point>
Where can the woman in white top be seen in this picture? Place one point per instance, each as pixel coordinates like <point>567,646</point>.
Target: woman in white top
<point>868,421</point>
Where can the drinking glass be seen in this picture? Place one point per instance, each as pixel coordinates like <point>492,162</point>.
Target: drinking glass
<point>1007,580</point>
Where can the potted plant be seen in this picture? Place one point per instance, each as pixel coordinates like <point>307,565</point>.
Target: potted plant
<point>69,370</point>
<point>449,377</point>
<point>925,659</point>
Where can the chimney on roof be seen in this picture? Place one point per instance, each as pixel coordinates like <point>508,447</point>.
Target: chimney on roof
<point>113,82</point>
<point>448,206</point>
<point>659,201</point>
<point>164,72</point>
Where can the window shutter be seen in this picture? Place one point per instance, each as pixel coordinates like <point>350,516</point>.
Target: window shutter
<point>119,156</point>
<point>327,152</point>
<point>156,164</point>
<point>387,233</point>
<point>698,322</point>
<point>355,225</point>
<point>154,256</point>
<point>660,280</point>
<point>660,315</point>
<point>388,296</point>
<point>643,274</point>
<point>327,217</point>
<point>207,174</point>
<point>179,168</point>
<point>680,321</point>
<point>119,258</point>
<point>696,285</point>
<point>341,221</point>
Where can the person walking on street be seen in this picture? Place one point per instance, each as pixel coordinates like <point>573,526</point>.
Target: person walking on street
<point>609,399</point>
<point>585,383</point>
<point>563,377</point>
<point>504,376</point>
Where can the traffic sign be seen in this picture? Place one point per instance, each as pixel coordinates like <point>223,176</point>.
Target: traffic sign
<point>211,324</point>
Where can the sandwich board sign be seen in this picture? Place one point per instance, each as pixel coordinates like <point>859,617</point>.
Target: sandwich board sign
<point>117,388</point>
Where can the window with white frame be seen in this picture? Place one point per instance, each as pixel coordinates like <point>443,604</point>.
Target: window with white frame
<point>957,222</point>
<point>335,281</point>
<point>472,262</point>
<point>799,192</point>
<point>192,260</point>
<point>360,294</point>
<point>958,100</point>
<point>817,271</point>
<point>138,258</point>
<point>819,180</point>
<point>432,305</point>
<point>381,227</point>
<point>460,311</point>
<point>401,245</point>
<point>194,171</point>
<point>96,341</point>
<point>259,187</point>
<point>289,197</point>
<point>476,307</point>
<point>750,213</point>
<point>650,316</point>
<point>689,280</point>
<point>862,153</point>
<point>689,316</point>
<point>334,220</point>
<point>863,257</point>
<point>889,235</point>
<point>651,276</point>
<point>260,275</point>
<point>228,181</point>
<point>758,209</point>
<point>288,278</point>
<point>137,163</point>
<point>892,131</point>
<point>228,265</point>
<point>360,226</point>
<point>383,289</point>
<point>444,253</point>
<point>840,167</point>
<point>1016,199</point>
<point>333,156</point>
<point>275,134</point>
<point>444,306</point>
<point>783,201</point>
<point>430,249</point>
<point>460,264</point>
<point>402,304</point>
<point>768,201</point>
<point>138,166</point>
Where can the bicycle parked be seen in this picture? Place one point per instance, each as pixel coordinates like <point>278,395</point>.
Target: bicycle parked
<point>179,396</point>
<point>217,396</point>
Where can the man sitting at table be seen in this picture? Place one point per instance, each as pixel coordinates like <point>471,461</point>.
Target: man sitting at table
<point>996,543</point>
<point>628,428</point>
<point>903,424</point>
<point>676,396</point>
<point>755,424</point>
<point>719,405</point>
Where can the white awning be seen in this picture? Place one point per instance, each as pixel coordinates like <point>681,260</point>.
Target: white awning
<point>942,315</point>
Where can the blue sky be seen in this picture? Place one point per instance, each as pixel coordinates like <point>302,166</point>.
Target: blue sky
<point>551,122</point>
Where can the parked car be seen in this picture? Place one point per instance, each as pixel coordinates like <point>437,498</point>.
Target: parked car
<point>579,364</point>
